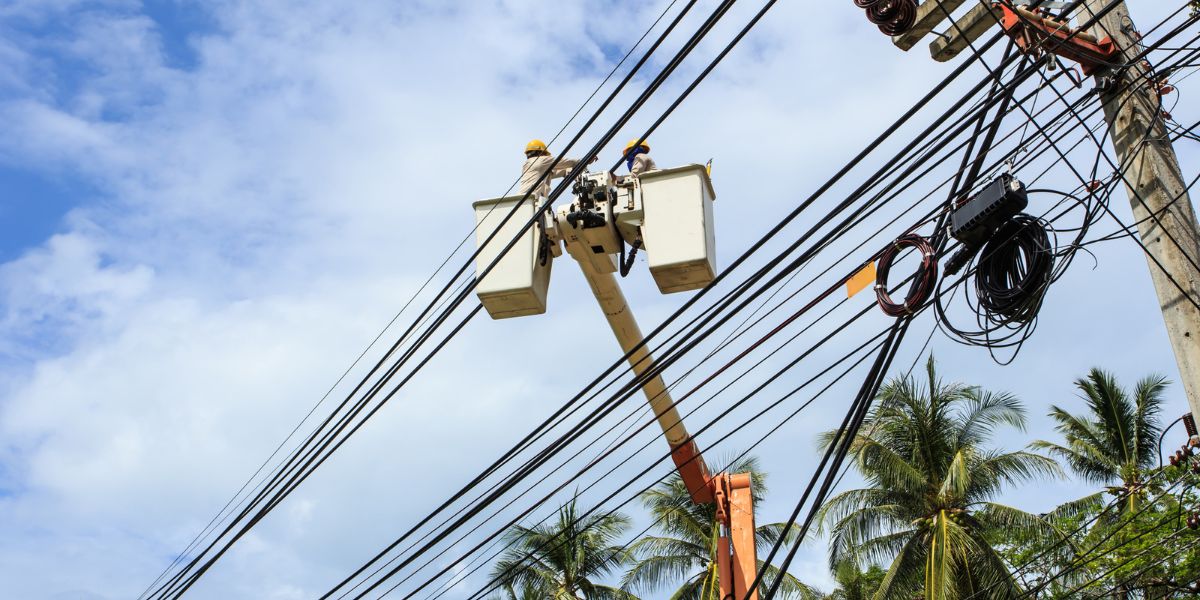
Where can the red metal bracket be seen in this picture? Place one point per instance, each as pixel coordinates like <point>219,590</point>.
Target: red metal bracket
<point>737,557</point>
<point>694,471</point>
<point>1034,32</point>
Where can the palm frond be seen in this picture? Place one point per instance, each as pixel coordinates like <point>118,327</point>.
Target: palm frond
<point>655,572</point>
<point>984,411</point>
<point>789,586</point>
<point>904,577</point>
<point>1148,399</point>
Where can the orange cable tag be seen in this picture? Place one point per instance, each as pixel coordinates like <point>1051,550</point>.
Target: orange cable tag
<point>864,278</point>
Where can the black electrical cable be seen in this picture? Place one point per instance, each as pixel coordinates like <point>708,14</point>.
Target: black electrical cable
<point>488,587</point>
<point>1116,567</point>
<point>1066,538</point>
<point>658,81</point>
<point>1119,170</point>
<point>398,314</point>
<point>794,362</point>
<point>836,450</point>
<point>491,585</point>
<point>831,267</point>
<point>987,333</point>
<point>613,406</point>
<point>791,364</point>
<point>1112,590</point>
<point>1133,190</point>
<point>842,440</point>
<point>1012,280</point>
<point>839,177</point>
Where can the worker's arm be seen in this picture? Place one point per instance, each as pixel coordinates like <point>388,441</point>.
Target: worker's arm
<point>564,166</point>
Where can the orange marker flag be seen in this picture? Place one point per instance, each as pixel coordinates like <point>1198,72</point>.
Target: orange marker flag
<point>861,280</point>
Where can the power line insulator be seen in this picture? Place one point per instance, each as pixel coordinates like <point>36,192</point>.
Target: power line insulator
<point>893,17</point>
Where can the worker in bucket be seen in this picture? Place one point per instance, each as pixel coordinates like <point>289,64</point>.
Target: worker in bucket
<point>637,160</point>
<point>537,162</point>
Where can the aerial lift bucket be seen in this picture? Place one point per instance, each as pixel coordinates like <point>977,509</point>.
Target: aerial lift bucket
<point>677,227</point>
<point>517,286</point>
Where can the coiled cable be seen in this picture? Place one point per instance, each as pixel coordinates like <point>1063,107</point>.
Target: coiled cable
<point>924,281</point>
<point>1014,271</point>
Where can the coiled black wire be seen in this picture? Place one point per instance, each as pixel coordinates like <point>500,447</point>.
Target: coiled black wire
<point>1014,271</point>
<point>1011,279</point>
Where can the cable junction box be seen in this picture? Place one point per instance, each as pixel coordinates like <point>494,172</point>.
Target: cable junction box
<point>976,220</point>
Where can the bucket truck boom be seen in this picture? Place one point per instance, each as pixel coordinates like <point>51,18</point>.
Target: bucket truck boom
<point>669,213</point>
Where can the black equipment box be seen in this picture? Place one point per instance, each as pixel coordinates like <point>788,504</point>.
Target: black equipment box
<point>974,221</point>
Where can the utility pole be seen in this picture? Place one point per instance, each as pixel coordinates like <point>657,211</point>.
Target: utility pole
<point>1154,181</point>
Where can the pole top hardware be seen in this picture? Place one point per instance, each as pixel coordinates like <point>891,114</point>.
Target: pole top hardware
<point>1035,32</point>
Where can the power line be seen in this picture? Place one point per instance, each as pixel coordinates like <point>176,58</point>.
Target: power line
<point>657,82</point>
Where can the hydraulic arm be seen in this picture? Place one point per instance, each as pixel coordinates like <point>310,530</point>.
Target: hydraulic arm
<point>732,494</point>
<point>668,212</point>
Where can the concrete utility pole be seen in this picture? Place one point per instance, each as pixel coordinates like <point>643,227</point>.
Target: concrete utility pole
<point>1155,184</point>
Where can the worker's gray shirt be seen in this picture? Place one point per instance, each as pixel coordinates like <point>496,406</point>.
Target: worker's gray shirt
<point>534,167</point>
<point>641,164</point>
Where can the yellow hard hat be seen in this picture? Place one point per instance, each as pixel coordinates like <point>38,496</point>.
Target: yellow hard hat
<point>535,146</point>
<point>632,143</point>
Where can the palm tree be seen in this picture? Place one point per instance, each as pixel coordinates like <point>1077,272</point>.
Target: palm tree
<point>524,591</point>
<point>684,555</point>
<point>562,560</point>
<point>1116,441</point>
<point>855,584</point>
<point>927,509</point>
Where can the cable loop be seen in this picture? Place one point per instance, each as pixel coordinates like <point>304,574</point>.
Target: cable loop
<point>924,282</point>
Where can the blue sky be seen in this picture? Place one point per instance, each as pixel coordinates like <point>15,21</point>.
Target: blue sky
<point>37,196</point>
<point>211,208</point>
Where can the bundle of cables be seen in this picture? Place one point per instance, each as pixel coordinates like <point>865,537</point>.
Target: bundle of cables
<point>1013,272</point>
<point>924,281</point>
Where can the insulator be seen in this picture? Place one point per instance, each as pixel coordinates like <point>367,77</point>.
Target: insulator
<point>904,18</point>
<point>893,17</point>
